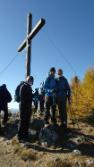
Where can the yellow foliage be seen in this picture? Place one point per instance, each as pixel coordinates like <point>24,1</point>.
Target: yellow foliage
<point>83,93</point>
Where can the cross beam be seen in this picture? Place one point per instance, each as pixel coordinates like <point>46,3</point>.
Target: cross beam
<point>28,40</point>
<point>32,34</point>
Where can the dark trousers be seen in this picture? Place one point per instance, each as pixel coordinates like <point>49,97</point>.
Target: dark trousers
<point>25,115</point>
<point>61,102</point>
<point>50,105</point>
<point>41,106</point>
<point>5,110</point>
<point>36,106</point>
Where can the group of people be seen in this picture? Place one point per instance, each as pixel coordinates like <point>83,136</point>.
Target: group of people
<point>57,91</point>
<point>39,100</point>
<point>54,94</point>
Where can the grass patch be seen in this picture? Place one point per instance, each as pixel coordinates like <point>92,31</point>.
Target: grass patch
<point>58,163</point>
<point>28,155</point>
<point>24,153</point>
<point>17,149</point>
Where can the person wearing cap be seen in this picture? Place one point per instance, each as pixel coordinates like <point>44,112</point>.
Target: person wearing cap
<point>63,92</point>
<point>25,106</point>
<point>50,88</point>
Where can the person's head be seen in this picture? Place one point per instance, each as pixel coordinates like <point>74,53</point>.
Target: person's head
<point>60,72</point>
<point>4,85</point>
<point>30,80</point>
<point>52,71</point>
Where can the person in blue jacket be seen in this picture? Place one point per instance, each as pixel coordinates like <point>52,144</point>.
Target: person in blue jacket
<point>63,93</point>
<point>50,88</point>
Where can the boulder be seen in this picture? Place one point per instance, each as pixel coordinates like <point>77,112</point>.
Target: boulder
<point>36,124</point>
<point>49,135</point>
<point>77,152</point>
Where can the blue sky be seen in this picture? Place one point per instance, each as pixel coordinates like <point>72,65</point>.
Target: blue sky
<point>66,40</point>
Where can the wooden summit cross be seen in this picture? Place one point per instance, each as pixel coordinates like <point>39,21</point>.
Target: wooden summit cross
<point>27,42</point>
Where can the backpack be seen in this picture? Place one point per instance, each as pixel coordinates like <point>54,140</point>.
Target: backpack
<point>17,92</point>
<point>9,97</point>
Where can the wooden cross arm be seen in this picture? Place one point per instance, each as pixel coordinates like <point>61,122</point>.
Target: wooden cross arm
<point>35,30</point>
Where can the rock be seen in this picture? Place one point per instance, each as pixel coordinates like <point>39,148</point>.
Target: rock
<point>77,152</point>
<point>23,145</point>
<point>49,136</point>
<point>90,162</point>
<point>2,139</point>
<point>77,164</point>
<point>77,139</point>
<point>36,124</point>
<point>8,142</point>
<point>44,144</point>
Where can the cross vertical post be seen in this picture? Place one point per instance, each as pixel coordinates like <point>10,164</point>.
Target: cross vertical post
<point>28,53</point>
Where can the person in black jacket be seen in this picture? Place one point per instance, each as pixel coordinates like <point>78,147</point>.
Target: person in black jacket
<point>63,93</point>
<point>41,100</point>
<point>36,99</point>
<point>5,98</point>
<point>25,106</point>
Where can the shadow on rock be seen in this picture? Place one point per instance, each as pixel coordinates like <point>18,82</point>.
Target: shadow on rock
<point>10,129</point>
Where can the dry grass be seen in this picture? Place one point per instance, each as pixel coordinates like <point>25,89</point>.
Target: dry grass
<point>24,153</point>
<point>28,155</point>
<point>17,149</point>
<point>58,163</point>
<point>14,141</point>
<point>63,163</point>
